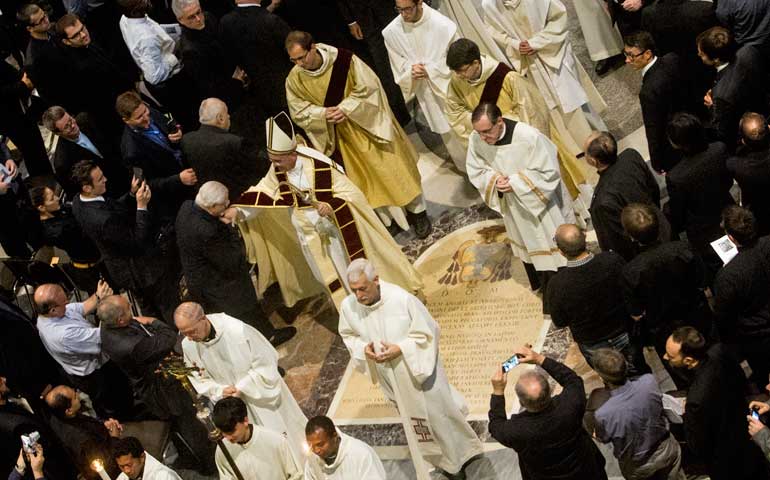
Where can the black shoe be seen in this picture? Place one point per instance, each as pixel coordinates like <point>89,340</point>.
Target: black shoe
<point>420,222</point>
<point>281,372</point>
<point>604,66</point>
<point>282,335</point>
<point>393,229</point>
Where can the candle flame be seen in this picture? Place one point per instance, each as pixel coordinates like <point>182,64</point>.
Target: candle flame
<point>97,465</point>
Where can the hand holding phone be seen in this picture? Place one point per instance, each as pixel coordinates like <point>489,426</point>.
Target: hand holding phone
<point>510,363</point>
<point>754,412</point>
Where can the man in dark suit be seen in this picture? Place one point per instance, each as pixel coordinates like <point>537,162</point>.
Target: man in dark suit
<point>663,93</point>
<point>627,14</point>
<point>741,300</point>
<point>255,37</point>
<point>214,261</point>
<point>151,143</point>
<point>740,86</point>
<point>623,179</point>
<point>698,187</point>
<point>216,154</point>
<point>750,167</point>
<point>80,139</point>
<point>715,425</point>
<point>137,256</point>
<point>749,21</point>
<point>548,435</point>
<point>205,59</point>
<point>138,345</point>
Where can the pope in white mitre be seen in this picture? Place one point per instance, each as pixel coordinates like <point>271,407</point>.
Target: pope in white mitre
<point>392,336</point>
<point>515,169</point>
<point>534,35</point>
<point>332,219</point>
<point>417,42</point>
<point>236,360</point>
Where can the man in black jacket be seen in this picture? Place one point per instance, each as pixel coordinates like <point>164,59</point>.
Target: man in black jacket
<point>137,345</point>
<point>750,167</point>
<point>203,54</point>
<point>150,143</point>
<point>623,179</point>
<point>663,93</point>
<point>80,139</point>
<point>214,261</point>
<point>548,435</point>
<point>216,154</point>
<point>137,256</point>
<point>741,299</point>
<point>715,413</point>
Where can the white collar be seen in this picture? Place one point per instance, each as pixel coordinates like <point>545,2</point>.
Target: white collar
<point>722,67</point>
<point>244,5</point>
<point>94,199</point>
<point>502,134</point>
<point>649,65</point>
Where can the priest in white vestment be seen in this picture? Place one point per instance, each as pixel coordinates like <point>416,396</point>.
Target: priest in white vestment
<point>467,15</point>
<point>236,360</point>
<point>534,35</point>
<point>137,464</point>
<point>336,456</point>
<point>417,41</point>
<point>257,452</point>
<point>515,169</point>
<point>333,221</point>
<point>392,336</point>
<point>603,40</point>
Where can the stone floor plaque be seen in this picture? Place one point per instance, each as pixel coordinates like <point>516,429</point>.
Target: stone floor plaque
<point>479,294</point>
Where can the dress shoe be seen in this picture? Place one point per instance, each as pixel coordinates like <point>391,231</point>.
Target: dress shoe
<point>393,229</point>
<point>281,372</point>
<point>420,222</point>
<point>282,335</point>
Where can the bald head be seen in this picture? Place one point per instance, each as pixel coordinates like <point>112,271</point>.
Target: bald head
<point>114,311</point>
<point>754,130</point>
<point>50,300</point>
<point>601,150</point>
<point>63,401</point>
<point>191,321</point>
<point>213,112</point>
<point>533,391</point>
<point>571,240</point>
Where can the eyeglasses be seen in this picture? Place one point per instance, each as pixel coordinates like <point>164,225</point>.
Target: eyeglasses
<point>43,19</point>
<point>405,9</point>
<point>69,126</point>
<point>633,56</point>
<point>80,33</point>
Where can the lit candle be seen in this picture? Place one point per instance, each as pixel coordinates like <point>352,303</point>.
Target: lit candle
<point>98,467</point>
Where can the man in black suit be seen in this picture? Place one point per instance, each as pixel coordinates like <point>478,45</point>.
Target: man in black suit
<point>204,56</point>
<point>663,93</point>
<point>80,139</point>
<point>623,179</point>
<point>750,167</point>
<point>741,300</point>
<point>151,143</point>
<point>749,21</point>
<point>254,37</point>
<point>214,261</point>
<point>216,154</point>
<point>715,426</point>
<point>740,82</point>
<point>138,345</point>
<point>627,14</point>
<point>137,256</point>
<point>548,434</point>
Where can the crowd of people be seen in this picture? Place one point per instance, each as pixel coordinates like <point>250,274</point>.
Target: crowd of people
<point>195,143</point>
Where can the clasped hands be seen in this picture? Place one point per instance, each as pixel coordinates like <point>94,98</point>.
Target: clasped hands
<point>525,48</point>
<point>390,351</point>
<point>503,184</point>
<point>418,71</point>
<point>335,115</point>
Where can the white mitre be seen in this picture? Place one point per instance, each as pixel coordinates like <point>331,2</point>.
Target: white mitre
<point>278,142</point>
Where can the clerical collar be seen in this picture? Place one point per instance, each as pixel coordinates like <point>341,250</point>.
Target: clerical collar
<point>649,66</point>
<point>507,136</point>
<point>212,333</point>
<point>722,67</point>
<point>251,435</point>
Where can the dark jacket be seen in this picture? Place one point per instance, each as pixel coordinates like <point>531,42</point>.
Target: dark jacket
<point>552,443</point>
<point>715,421</point>
<point>698,190</point>
<point>255,40</point>
<point>69,153</point>
<point>627,181</point>
<point>160,167</point>
<point>126,238</point>
<point>63,231</point>
<point>752,172</point>
<point>216,154</point>
<point>662,94</point>
<point>748,21</point>
<point>86,438</point>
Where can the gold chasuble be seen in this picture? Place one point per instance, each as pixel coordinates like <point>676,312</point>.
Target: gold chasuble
<point>353,231</point>
<point>372,147</point>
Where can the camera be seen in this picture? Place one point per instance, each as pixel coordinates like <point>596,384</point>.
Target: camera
<point>29,442</point>
<point>510,363</point>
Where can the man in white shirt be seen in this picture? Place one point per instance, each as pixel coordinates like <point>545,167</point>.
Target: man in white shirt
<point>250,452</point>
<point>337,456</point>
<point>137,464</point>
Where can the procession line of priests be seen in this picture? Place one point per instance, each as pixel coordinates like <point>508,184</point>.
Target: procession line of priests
<point>436,408</point>
<point>328,244</point>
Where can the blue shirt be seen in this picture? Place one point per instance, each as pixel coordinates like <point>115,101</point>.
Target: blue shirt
<point>72,341</point>
<point>86,143</point>
<point>633,420</point>
<point>157,136</point>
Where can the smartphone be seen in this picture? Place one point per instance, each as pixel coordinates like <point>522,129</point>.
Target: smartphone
<point>139,174</point>
<point>754,412</point>
<point>510,363</point>
<point>171,125</point>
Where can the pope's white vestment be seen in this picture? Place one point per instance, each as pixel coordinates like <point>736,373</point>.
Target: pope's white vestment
<point>436,409</point>
<point>538,203</point>
<point>355,461</point>
<point>154,470</point>
<point>240,356</point>
<point>265,456</point>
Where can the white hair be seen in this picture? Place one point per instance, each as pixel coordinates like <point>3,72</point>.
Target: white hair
<point>210,194</point>
<point>361,266</point>
<point>209,109</point>
<point>178,6</point>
